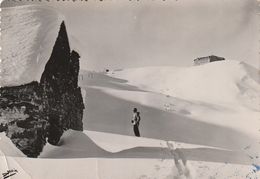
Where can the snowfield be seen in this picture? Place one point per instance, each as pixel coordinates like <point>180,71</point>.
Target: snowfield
<point>196,122</point>
<point>171,113</point>
<point>99,163</point>
<point>224,93</point>
<point>223,83</point>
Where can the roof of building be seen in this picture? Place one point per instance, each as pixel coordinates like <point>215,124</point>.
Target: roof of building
<point>199,58</point>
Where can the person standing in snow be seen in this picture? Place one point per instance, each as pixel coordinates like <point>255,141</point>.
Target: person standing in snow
<point>135,122</point>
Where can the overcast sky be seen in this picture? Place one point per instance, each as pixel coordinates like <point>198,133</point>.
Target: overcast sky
<point>120,34</point>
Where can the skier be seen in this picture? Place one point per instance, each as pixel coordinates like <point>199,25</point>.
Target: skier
<point>135,122</point>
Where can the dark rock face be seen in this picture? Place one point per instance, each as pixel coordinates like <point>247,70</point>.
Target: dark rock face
<point>34,112</point>
<point>61,93</point>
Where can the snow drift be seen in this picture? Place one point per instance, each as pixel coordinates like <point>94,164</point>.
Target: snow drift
<point>102,166</point>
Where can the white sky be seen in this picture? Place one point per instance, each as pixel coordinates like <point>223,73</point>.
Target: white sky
<point>122,33</point>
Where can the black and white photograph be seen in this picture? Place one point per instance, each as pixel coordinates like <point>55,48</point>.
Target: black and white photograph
<point>130,89</point>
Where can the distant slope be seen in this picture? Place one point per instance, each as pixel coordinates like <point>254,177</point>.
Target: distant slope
<point>28,36</point>
<point>223,83</point>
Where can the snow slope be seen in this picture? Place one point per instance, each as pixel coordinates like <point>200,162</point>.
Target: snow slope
<point>8,148</point>
<point>225,93</point>
<point>161,161</point>
<point>224,82</point>
<point>231,124</point>
<point>28,35</point>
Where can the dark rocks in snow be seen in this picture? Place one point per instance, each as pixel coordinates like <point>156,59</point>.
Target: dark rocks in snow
<point>22,114</point>
<point>34,112</point>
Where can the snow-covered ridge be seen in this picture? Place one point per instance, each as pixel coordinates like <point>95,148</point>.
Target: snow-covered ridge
<point>28,36</point>
<point>227,82</point>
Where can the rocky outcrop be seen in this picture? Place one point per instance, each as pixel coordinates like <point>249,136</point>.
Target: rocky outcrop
<point>36,112</point>
<point>23,117</point>
<point>61,93</point>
